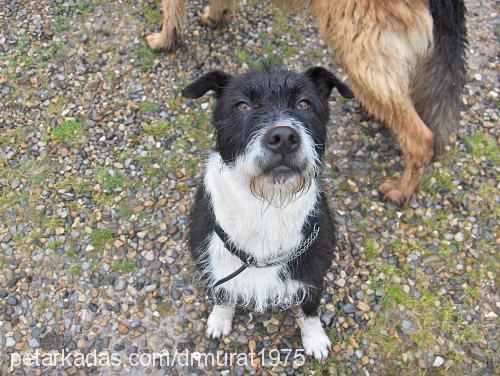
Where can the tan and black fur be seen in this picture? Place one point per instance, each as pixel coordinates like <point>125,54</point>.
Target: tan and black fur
<point>405,60</point>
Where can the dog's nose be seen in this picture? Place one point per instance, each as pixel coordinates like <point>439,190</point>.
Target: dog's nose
<point>282,140</point>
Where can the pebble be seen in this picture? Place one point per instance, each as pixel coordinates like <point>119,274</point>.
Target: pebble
<point>120,285</point>
<point>363,306</point>
<point>340,282</point>
<point>349,308</point>
<point>438,362</point>
<point>11,300</point>
<point>150,288</point>
<point>407,326</point>
<point>149,256</point>
<point>122,329</point>
<point>33,343</point>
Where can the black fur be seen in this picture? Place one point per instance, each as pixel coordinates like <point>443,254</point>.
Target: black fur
<point>271,92</point>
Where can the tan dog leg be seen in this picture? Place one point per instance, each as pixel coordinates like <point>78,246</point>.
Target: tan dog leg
<point>380,43</point>
<point>417,143</point>
<point>218,13</point>
<point>174,17</point>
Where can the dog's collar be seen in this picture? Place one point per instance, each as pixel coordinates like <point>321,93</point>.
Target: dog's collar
<point>249,261</point>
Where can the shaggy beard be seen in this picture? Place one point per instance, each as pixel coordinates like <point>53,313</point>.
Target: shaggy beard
<point>280,194</point>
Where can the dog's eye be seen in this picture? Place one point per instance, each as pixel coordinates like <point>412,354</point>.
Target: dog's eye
<point>243,106</point>
<point>304,105</point>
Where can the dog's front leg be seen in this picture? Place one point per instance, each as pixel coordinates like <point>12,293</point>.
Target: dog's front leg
<point>220,320</point>
<point>174,17</point>
<point>314,339</point>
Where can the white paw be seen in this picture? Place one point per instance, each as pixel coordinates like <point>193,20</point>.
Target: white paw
<point>314,340</point>
<point>220,321</point>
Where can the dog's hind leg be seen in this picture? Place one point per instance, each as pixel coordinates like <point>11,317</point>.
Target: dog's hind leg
<point>416,141</point>
<point>174,17</point>
<point>381,44</point>
<point>386,95</point>
<point>218,12</point>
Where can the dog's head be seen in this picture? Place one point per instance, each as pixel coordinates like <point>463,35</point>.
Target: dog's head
<point>270,125</point>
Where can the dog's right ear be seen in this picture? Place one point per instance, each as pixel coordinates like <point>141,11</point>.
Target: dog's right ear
<point>215,80</point>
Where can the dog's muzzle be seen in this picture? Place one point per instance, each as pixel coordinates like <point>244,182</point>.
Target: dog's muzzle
<point>282,140</point>
<point>282,144</point>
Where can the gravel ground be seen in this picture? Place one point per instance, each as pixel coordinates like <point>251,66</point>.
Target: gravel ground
<point>99,158</point>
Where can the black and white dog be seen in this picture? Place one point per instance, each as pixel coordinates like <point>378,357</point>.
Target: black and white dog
<point>261,232</point>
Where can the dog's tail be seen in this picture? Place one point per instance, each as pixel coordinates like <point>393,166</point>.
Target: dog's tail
<point>439,81</point>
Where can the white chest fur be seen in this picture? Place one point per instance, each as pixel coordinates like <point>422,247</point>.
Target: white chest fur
<point>256,228</point>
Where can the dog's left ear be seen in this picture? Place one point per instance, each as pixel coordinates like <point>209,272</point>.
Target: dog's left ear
<point>215,80</point>
<point>325,81</point>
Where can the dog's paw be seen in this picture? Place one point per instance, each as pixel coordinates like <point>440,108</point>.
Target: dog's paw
<point>392,191</point>
<point>215,20</point>
<point>314,339</point>
<point>205,16</point>
<point>159,42</point>
<point>317,346</point>
<point>220,321</point>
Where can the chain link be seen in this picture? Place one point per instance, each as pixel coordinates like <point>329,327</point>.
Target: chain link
<point>302,247</point>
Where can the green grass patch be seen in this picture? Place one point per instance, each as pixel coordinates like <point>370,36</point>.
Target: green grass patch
<point>145,57</point>
<point>41,305</point>
<point>427,318</point>
<point>78,185</point>
<point>69,132</point>
<point>372,250</point>
<point>60,24</point>
<point>72,252</point>
<point>153,15</point>
<point>159,129</point>
<point>124,267</point>
<point>100,238</point>
<point>242,55</point>
<point>148,107</point>
<point>109,181</point>
<point>125,211</point>
<point>82,6</point>
<point>75,270</point>
<point>482,144</point>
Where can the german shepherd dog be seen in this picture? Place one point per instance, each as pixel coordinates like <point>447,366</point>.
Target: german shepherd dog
<point>405,60</point>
